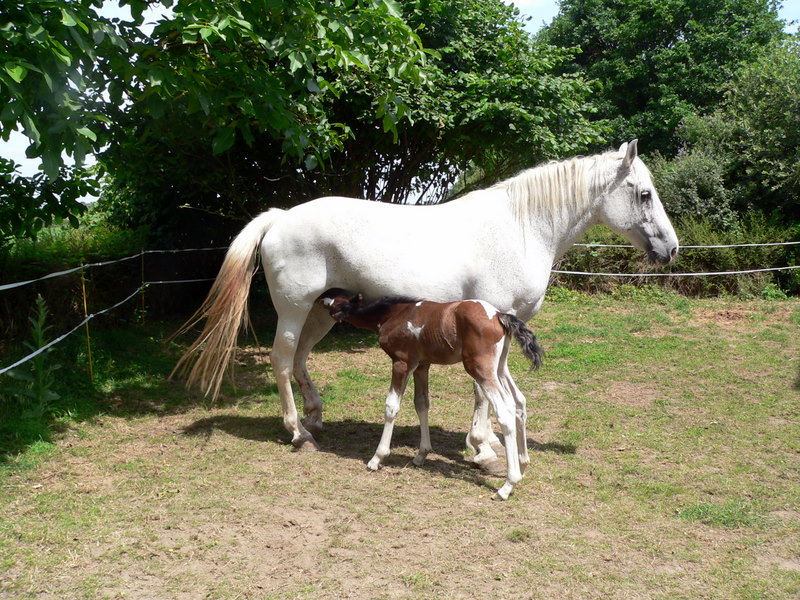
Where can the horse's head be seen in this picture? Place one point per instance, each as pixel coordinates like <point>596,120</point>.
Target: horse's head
<point>633,209</point>
<point>339,305</point>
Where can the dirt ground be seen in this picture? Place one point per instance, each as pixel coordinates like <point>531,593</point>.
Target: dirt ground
<point>214,503</point>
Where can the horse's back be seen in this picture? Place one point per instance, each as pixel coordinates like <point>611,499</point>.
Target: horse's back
<point>470,247</point>
<point>373,247</point>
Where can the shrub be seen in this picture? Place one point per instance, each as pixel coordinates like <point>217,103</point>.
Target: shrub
<point>692,185</point>
<point>754,228</point>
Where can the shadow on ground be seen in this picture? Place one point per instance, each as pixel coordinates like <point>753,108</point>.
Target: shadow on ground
<point>357,440</point>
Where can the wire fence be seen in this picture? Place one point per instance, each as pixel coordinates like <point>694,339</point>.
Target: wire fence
<point>145,283</point>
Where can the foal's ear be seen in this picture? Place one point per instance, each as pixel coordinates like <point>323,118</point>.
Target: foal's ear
<point>631,152</point>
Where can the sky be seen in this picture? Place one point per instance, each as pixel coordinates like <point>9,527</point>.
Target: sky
<point>540,11</point>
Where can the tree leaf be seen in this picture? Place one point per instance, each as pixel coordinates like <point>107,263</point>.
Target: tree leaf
<point>223,140</point>
<point>87,133</point>
<point>67,18</point>
<point>394,8</point>
<point>16,71</point>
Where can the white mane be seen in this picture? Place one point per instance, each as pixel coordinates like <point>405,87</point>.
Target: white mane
<point>549,189</point>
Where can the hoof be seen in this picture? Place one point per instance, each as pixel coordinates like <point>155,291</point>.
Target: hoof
<point>374,465</point>
<point>493,466</point>
<point>306,446</point>
<point>504,492</point>
<point>418,460</point>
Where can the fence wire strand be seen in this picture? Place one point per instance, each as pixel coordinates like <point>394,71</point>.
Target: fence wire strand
<point>144,284</point>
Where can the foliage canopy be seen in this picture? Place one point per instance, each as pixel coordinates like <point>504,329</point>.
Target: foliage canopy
<point>389,127</point>
<point>660,61</point>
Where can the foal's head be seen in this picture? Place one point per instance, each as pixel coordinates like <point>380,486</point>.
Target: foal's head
<point>340,304</point>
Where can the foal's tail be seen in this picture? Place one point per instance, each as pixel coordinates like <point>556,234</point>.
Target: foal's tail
<point>224,309</point>
<point>524,336</point>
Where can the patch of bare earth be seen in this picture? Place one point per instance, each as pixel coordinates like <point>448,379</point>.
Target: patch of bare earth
<point>215,504</point>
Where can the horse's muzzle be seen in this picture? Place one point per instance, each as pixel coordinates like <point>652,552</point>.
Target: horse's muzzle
<point>660,258</point>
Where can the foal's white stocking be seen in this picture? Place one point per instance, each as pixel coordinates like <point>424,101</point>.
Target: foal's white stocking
<point>480,435</point>
<point>400,374</point>
<point>520,405</point>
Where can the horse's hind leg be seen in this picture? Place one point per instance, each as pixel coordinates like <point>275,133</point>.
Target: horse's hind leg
<point>422,404</point>
<point>318,323</point>
<point>520,405</point>
<point>282,356</point>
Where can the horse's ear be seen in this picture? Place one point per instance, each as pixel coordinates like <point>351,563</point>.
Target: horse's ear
<point>631,152</point>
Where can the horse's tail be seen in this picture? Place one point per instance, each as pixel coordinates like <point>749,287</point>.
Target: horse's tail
<point>524,336</point>
<point>224,309</point>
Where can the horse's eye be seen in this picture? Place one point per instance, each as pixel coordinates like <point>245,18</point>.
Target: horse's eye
<point>646,196</point>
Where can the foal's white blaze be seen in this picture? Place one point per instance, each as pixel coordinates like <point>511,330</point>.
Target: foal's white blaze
<point>415,331</point>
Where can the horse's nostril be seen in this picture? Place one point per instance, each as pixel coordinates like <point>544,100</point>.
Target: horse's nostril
<point>673,252</point>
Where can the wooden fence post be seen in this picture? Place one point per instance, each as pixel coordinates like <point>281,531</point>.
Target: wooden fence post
<point>86,315</point>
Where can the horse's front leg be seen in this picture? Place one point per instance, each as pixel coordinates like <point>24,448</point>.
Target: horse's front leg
<point>520,404</point>
<point>401,371</point>
<point>318,323</point>
<point>479,438</point>
<point>422,405</point>
<point>503,405</point>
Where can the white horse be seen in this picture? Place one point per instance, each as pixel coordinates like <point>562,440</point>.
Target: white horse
<point>497,244</point>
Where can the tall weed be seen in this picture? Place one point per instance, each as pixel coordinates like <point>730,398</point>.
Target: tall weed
<point>32,387</point>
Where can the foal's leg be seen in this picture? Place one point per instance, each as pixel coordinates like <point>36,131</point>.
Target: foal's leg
<point>282,358</point>
<point>422,404</point>
<point>318,323</point>
<point>401,371</point>
<point>480,436</point>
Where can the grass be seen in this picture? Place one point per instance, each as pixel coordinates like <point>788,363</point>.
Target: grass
<point>664,437</point>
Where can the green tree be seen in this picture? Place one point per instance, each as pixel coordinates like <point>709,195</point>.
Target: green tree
<point>659,61</point>
<point>55,62</point>
<point>232,95</point>
<point>754,134</point>
<point>231,69</point>
<point>29,203</point>
<point>494,106</point>
<point>486,99</point>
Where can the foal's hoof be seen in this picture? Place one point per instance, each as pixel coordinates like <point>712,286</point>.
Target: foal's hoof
<point>493,466</point>
<point>306,446</point>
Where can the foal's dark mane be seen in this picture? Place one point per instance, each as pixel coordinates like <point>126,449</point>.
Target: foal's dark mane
<point>383,304</point>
